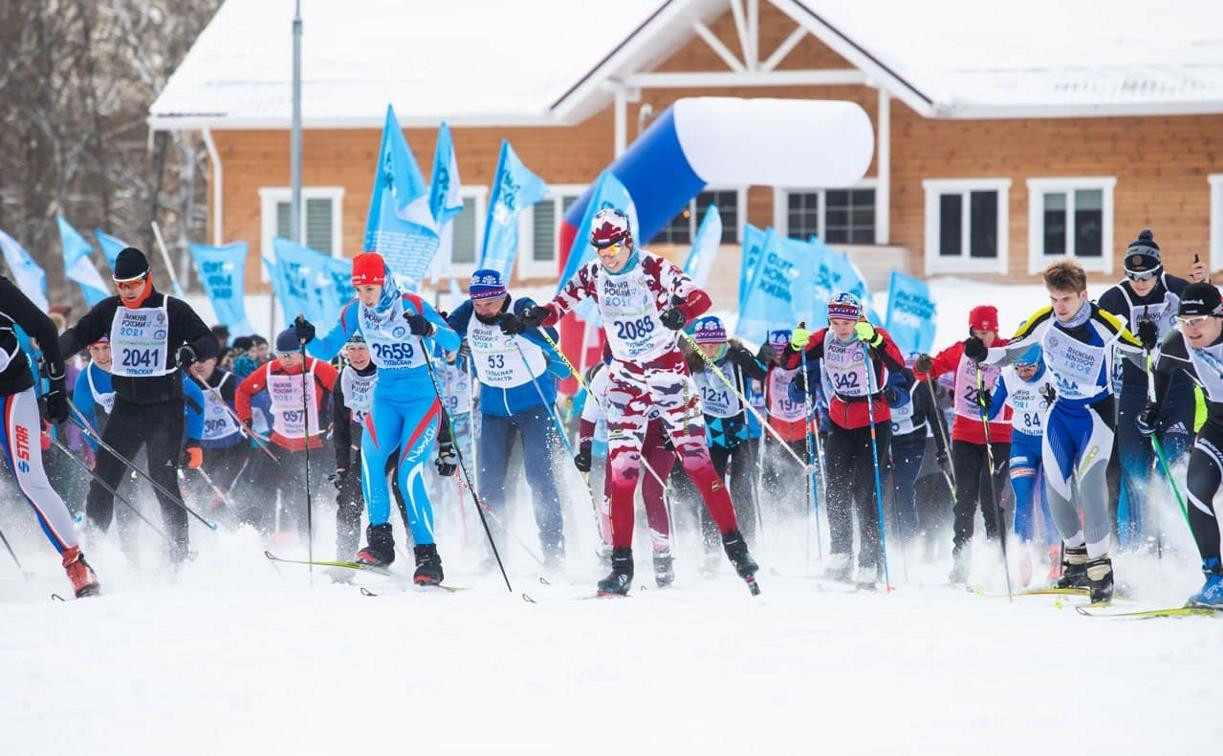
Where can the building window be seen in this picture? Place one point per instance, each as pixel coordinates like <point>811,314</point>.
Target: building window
<point>966,225</point>
<point>1071,217</point>
<point>322,221</point>
<point>682,228</point>
<point>539,233</point>
<point>838,216</point>
<point>1216,221</point>
<point>467,232</point>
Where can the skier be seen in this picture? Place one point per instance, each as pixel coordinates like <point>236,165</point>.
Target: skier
<point>787,414</point>
<point>19,435</point>
<point>644,300</point>
<point>912,417</point>
<point>94,394</point>
<point>517,371</point>
<point>1076,338</point>
<point>1195,350</point>
<point>969,457</point>
<point>406,407</point>
<point>351,403</point>
<point>223,437</point>
<point>152,336</point>
<point>1148,299</point>
<point>840,350</point>
<point>1028,389</point>
<point>726,419</point>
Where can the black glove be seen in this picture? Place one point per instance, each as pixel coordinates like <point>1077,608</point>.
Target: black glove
<point>338,477</point>
<point>464,349</point>
<point>1148,333</point>
<point>510,325</point>
<point>941,457</point>
<point>985,398</point>
<point>447,459</point>
<point>923,363</point>
<point>974,349</point>
<point>56,401</point>
<point>1148,419</point>
<point>800,381</point>
<point>534,316</point>
<point>1049,394</point>
<point>186,357</point>
<point>891,395</point>
<point>303,329</point>
<point>582,460</point>
<point>766,354</point>
<point>418,326</point>
<point>673,318</point>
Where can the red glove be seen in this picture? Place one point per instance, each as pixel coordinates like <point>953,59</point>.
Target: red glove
<point>193,457</point>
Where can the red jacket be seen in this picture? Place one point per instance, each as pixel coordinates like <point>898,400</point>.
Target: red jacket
<point>967,425</point>
<point>853,412</point>
<point>325,377</point>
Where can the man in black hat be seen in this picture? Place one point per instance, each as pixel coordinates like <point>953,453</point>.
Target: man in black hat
<point>1148,299</point>
<point>152,336</point>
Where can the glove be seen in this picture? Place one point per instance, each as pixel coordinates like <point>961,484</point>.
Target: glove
<point>1049,394</point>
<point>923,364</point>
<point>800,382</point>
<point>303,329</point>
<point>510,325</point>
<point>985,398</point>
<point>193,456</point>
<point>186,356</point>
<point>582,460</point>
<point>799,338</point>
<point>1148,419</point>
<point>418,326</point>
<point>974,349</point>
<point>867,334</point>
<point>447,460</point>
<point>1148,333</point>
<point>673,318</point>
<point>891,395</point>
<point>534,316</point>
<point>338,477</point>
<point>766,354</point>
<point>57,402</point>
<point>464,349</point>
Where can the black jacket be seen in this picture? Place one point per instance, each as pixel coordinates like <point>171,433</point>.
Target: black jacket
<point>16,309</point>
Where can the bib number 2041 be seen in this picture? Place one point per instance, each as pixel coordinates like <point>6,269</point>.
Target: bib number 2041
<point>631,330</point>
<point>140,358</point>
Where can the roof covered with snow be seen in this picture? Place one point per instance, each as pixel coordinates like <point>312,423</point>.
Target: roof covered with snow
<point>547,62</point>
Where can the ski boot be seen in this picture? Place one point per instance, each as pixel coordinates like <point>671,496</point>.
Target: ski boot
<point>839,568</point>
<point>736,552</point>
<point>866,577</point>
<point>1211,595</point>
<point>620,579</point>
<point>960,565</point>
<point>381,549</point>
<point>1074,568</point>
<point>1100,580</point>
<point>664,573</point>
<point>428,565</point>
<point>84,581</point>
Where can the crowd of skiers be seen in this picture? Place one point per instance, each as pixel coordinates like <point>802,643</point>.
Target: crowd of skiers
<point>1060,436</point>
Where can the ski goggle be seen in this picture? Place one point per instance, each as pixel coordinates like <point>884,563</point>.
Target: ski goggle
<point>610,249</point>
<point>1192,320</point>
<point>1024,365</point>
<point>1144,275</point>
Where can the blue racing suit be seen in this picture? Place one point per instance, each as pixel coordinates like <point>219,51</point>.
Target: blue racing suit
<point>1028,431</point>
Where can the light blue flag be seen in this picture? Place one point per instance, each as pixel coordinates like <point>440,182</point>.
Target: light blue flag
<point>30,278</point>
<point>78,263</point>
<point>305,282</point>
<point>111,246</point>
<point>222,270</point>
<point>836,273</point>
<point>780,270</point>
<point>705,247</point>
<point>340,292</point>
<point>609,192</point>
<point>514,189</point>
<point>911,314</point>
<point>445,200</point>
<point>400,226</point>
<point>753,242</point>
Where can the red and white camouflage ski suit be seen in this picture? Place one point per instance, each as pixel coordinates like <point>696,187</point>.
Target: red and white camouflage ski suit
<point>647,371</point>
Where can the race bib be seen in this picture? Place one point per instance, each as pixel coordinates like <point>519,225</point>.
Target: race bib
<point>219,422</point>
<point>967,393</point>
<point>717,400</point>
<point>1028,404</point>
<point>902,420</point>
<point>499,360</point>
<point>631,318</point>
<point>139,340</point>
<point>391,345</point>
<point>1075,366</point>
<point>104,399</point>
<point>780,405</point>
<point>358,392</point>
<point>289,417</point>
<point>845,367</point>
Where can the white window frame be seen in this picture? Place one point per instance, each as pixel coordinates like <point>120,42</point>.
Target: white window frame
<point>270,196</point>
<point>936,263</point>
<point>1216,221</point>
<point>528,266</point>
<point>781,209</point>
<point>480,195</point>
<point>1037,189</point>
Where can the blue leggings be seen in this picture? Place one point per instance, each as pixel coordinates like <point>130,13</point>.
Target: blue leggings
<point>497,437</point>
<point>1026,483</point>
<point>408,424</point>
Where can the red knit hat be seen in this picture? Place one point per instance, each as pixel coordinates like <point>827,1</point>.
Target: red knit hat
<point>368,269</point>
<point>983,318</point>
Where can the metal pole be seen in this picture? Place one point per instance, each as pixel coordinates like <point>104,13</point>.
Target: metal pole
<point>295,138</point>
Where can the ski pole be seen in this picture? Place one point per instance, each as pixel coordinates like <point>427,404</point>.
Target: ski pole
<point>437,391</point>
<point>301,347</point>
<point>109,489</point>
<point>79,419</point>
<point>12,553</point>
<point>812,485</point>
<point>942,432</point>
<point>870,413</point>
<point>748,405</point>
<point>993,493</point>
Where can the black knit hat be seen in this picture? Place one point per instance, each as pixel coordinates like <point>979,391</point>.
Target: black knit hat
<point>1201,299</point>
<point>130,265</point>
<point>1143,253</point>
